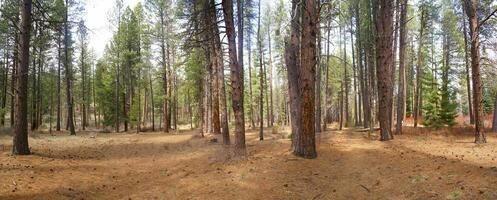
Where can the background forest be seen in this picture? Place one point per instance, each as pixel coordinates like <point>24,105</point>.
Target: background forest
<point>167,65</point>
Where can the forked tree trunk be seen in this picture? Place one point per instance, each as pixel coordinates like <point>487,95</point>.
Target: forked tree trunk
<point>236,73</point>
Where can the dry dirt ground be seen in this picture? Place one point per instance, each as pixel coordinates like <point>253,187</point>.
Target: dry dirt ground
<point>351,164</point>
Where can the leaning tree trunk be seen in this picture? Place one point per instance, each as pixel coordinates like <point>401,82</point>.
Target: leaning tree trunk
<point>384,60</point>
<point>20,142</point>
<point>471,8</point>
<point>236,73</point>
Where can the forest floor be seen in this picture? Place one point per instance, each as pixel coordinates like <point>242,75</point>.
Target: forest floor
<point>351,164</point>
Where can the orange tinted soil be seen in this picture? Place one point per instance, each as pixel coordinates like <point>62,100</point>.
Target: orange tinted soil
<point>350,165</point>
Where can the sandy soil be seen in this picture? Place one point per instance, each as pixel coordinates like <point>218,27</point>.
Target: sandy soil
<point>351,165</point>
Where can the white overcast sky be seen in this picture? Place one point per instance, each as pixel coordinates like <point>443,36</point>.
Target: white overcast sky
<point>97,21</point>
<point>96,18</point>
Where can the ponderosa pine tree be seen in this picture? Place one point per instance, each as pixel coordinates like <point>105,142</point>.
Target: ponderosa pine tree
<point>20,131</point>
<point>68,70</point>
<point>384,59</point>
<point>236,77</point>
<point>303,142</point>
<point>474,27</point>
<point>401,104</point>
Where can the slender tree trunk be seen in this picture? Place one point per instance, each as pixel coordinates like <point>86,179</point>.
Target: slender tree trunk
<point>418,90</point>
<point>224,107</point>
<point>327,85</point>
<point>494,120</point>
<point>317,113</point>
<point>15,69</point>
<point>251,105</point>
<point>261,76</point>
<point>270,110</point>
<point>4,88</point>
<point>236,72</point>
<point>345,82</point>
<point>215,96</point>
<point>83,86</point>
<point>402,70</point>
<point>164,67</point>
<point>20,141</point>
<point>471,11</point>
<point>152,104</point>
<point>70,112</point>
<point>356,114</point>
<point>33,81</point>
<point>466,64</point>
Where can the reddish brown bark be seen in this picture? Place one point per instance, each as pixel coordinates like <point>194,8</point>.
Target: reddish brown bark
<point>236,77</point>
<point>471,8</point>
<point>384,59</point>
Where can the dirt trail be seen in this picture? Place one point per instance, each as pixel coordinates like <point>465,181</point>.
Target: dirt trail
<point>184,166</point>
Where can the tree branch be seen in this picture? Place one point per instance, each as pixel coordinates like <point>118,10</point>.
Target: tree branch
<point>487,18</point>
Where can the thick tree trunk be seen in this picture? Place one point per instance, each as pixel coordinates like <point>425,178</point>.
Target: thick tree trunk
<point>236,73</point>
<point>384,59</point>
<point>306,146</point>
<point>471,9</point>
<point>292,58</point>
<point>20,141</point>
<point>402,70</point>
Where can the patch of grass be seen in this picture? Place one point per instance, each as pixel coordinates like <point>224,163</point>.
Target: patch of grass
<point>454,195</point>
<point>276,129</point>
<point>419,178</point>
